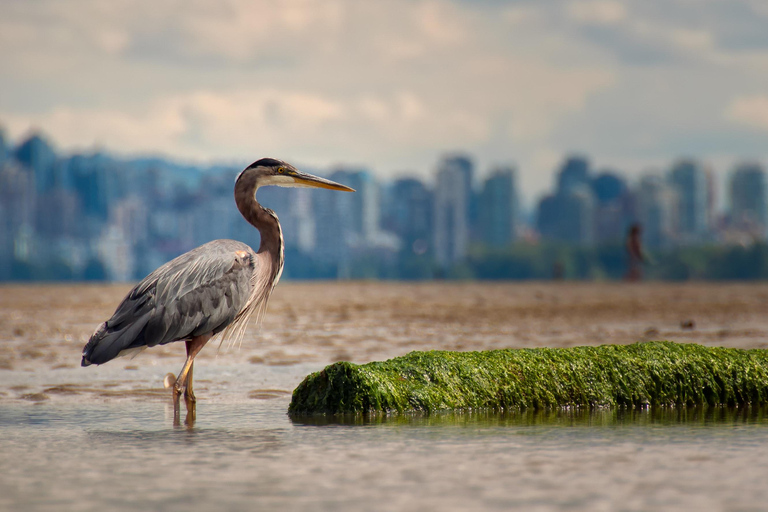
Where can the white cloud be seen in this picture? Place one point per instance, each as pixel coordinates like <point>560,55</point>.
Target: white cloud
<point>317,128</point>
<point>198,124</point>
<point>243,29</point>
<point>148,130</point>
<point>370,82</point>
<point>597,12</point>
<point>387,84</point>
<point>749,111</point>
<point>520,14</point>
<point>688,39</point>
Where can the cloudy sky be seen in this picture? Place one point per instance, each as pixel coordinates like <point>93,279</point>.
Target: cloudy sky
<point>393,84</point>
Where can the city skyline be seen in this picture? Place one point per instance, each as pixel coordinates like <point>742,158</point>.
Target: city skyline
<point>95,216</point>
<point>721,175</point>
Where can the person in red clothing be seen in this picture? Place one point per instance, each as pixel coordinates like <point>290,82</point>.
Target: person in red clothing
<point>634,246</point>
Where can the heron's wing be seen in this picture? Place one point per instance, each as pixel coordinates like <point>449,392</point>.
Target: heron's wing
<point>199,292</point>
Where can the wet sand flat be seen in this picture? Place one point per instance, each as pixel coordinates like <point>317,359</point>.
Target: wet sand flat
<point>308,325</point>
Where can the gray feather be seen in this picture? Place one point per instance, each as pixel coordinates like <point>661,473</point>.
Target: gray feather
<point>199,292</point>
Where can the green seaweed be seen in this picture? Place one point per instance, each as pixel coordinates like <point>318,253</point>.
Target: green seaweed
<point>658,373</point>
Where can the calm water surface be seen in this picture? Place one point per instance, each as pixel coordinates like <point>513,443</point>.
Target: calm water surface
<point>251,455</point>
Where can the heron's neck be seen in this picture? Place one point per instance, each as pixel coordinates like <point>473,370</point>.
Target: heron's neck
<point>265,221</point>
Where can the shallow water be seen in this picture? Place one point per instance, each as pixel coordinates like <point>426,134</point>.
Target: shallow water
<point>105,438</point>
<point>238,456</point>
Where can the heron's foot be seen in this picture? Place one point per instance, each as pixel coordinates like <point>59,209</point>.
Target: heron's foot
<point>179,390</point>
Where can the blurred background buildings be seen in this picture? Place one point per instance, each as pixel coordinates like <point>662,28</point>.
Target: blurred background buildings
<point>93,216</point>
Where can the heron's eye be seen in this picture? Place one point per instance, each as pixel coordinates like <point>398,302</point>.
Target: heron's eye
<point>281,170</point>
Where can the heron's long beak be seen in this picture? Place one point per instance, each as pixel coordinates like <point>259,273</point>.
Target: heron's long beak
<point>303,179</point>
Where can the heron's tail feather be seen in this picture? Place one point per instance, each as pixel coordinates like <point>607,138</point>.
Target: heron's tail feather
<point>108,341</point>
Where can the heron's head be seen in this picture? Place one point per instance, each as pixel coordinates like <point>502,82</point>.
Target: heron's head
<point>270,171</point>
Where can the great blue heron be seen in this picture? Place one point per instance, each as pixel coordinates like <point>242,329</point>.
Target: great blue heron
<point>211,289</point>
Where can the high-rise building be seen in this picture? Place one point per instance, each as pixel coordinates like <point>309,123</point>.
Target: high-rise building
<point>749,199</point>
<point>97,180</point>
<point>115,254</point>
<point>410,214</point>
<point>58,214</point>
<point>614,207</point>
<point>37,155</point>
<point>293,207</point>
<point>333,225</point>
<point>18,201</point>
<point>657,211</point>
<point>451,210</point>
<point>498,208</point>
<point>608,187</point>
<point>5,147</point>
<point>345,222</point>
<point>568,217</point>
<point>363,204</point>
<point>574,174</point>
<point>569,214</point>
<point>693,185</point>
<point>464,165</point>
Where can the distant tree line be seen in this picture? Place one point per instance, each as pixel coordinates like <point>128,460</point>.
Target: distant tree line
<point>553,261</point>
<point>516,263</point>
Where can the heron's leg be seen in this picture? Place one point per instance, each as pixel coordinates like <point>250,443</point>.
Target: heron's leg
<point>185,376</point>
<point>191,412</point>
<point>188,393</point>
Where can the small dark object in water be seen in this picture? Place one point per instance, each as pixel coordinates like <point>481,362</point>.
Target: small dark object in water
<point>651,333</point>
<point>688,325</point>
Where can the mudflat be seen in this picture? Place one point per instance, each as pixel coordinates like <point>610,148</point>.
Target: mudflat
<point>308,325</point>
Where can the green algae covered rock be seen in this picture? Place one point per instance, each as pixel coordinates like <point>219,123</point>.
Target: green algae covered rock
<point>653,373</point>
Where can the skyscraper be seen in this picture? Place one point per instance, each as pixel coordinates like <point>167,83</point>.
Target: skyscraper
<point>692,183</point>
<point>37,155</point>
<point>748,197</point>
<point>293,207</point>
<point>466,168</point>
<point>96,179</point>
<point>451,210</point>
<point>333,226</point>
<point>411,213</point>
<point>573,174</point>
<point>18,201</point>
<point>568,217</point>
<point>4,147</point>
<point>346,222</point>
<point>569,214</point>
<point>498,208</point>
<point>657,211</point>
<point>363,204</point>
<point>614,207</point>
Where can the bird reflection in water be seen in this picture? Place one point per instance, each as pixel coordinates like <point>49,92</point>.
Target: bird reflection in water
<point>215,288</point>
<point>189,419</point>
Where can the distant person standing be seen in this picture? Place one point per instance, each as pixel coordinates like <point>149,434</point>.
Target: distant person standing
<point>558,272</point>
<point>634,246</point>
